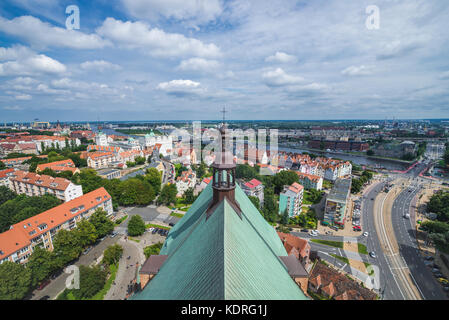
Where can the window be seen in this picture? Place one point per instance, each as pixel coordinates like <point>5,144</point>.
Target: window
<point>32,232</point>
<point>42,226</point>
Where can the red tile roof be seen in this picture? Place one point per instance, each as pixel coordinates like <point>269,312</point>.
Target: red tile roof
<point>62,163</point>
<point>40,180</point>
<point>5,173</point>
<point>295,245</point>
<point>19,235</point>
<point>253,183</point>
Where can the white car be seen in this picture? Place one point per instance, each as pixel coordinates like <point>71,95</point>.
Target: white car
<point>365,234</point>
<point>151,229</point>
<point>313,233</point>
<point>316,231</point>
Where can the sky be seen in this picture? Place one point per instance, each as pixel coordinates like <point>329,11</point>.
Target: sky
<point>187,59</point>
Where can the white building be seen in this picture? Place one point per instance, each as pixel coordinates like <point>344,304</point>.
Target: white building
<point>33,184</point>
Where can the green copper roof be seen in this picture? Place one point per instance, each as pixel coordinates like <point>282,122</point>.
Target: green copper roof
<point>224,257</point>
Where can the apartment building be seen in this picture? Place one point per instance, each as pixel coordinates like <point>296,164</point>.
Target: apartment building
<point>254,188</point>
<point>58,166</point>
<point>336,203</point>
<point>186,180</point>
<point>310,181</point>
<point>33,184</point>
<point>4,177</point>
<point>290,199</point>
<point>17,244</point>
<point>17,161</point>
<point>99,160</point>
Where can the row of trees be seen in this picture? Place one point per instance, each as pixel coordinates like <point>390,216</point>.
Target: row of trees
<point>439,229</point>
<point>17,280</point>
<point>357,183</point>
<point>140,190</point>
<point>15,208</point>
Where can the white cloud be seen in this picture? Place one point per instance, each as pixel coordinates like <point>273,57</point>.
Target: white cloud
<point>13,108</point>
<point>99,65</point>
<point>154,41</point>
<point>26,62</point>
<point>357,71</point>
<point>23,97</point>
<point>444,75</point>
<point>198,64</point>
<point>281,57</point>
<point>278,78</point>
<point>180,87</point>
<point>197,11</point>
<point>41,34</point>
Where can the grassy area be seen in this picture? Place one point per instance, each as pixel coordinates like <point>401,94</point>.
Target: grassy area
<point>337,244</point>
<point>156,226</point>
<point>368,266</point>
<point>100,295</point>
<point>362,248</point>
<point>343,259</point>
<point>119,221</point>
<point>134,239</point>
<point>68,294</point>
<point>177,215</point>
<point>316,296</point>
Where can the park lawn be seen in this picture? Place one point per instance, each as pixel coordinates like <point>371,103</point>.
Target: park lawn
<point>337,244</point>
<point>150,225</point>
<point>119,221</point>
<point>100,294</point>
<point>177,215</point>
<point>113,272</point>
<point>343,259</point>
<point>133,239</point>
<point>362,248</point>
<point>306,199</point>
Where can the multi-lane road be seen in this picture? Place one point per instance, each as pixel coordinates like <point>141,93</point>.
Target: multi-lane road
<point>404,229</point>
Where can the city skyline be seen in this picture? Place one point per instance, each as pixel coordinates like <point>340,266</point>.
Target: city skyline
<point>305,60</point>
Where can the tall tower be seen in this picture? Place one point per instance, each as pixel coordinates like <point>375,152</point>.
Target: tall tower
<point>223,181</point>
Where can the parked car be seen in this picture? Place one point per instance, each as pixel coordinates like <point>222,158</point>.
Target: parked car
<point>45,298</point>
<point>304,230</point>
<point>443,280</point>
<point>56,274</point>
<point>87,250</point>
<point>429,258</point>
<point>43,284</point>
<point>171,224</point>
<point>357,228</point>
<point>365,234</point>
<point>313,233</point>
<point>372,254</point>
<point>151,229</point>
<point>154,231</point>
<point>406,216</point>
<point>113,234</point>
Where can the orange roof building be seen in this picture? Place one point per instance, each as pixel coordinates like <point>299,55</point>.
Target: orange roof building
<point>17,244</point>
<point>33,184</point>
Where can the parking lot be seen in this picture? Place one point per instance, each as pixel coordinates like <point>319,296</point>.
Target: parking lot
<point>150,214</point>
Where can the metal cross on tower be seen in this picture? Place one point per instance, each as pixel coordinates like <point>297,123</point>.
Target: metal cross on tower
<point>224,112</point>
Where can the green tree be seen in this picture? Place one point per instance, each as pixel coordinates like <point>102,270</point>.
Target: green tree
<point>270,208</point>
<point>168,194</point>
<point>86,233</point>
<point>135,191</point>
<point>285,217</point>
<point>6,194</point>
<point>284,178</point>
<point>112,254</point>
<point>103,225</point>
<point>189,196</point>
<point>153,249</point>
<point>67,247</point>
<point>15,281</point>
<point>139,160</point>
<point>92,280</point>
<point>370,153</point>
<point>41,264</point>
<point>153,176</point>
<point>246,172</point>
<point>255,201</point>
<point>2,165</point>
<point>136,226</point>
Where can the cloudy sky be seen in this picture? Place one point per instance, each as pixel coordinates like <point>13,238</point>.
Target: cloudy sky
<point>186,59</point>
